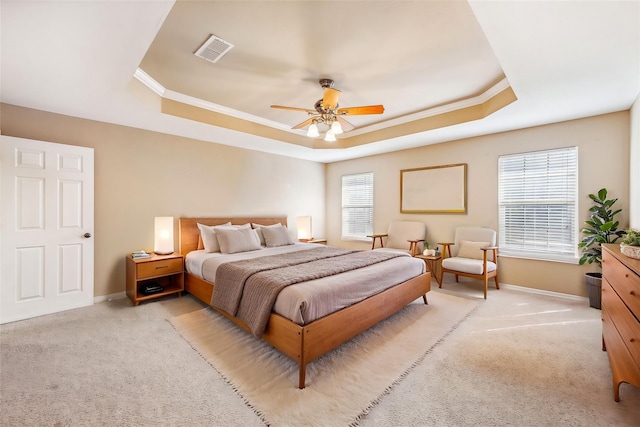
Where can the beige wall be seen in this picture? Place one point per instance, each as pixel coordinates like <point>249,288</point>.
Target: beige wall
<point>603,146</point>
<point>141,174</point>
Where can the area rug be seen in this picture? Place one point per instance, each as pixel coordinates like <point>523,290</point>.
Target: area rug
<point>344,384</point>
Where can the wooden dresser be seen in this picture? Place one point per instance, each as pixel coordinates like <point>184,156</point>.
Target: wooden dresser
<point>621,316</point>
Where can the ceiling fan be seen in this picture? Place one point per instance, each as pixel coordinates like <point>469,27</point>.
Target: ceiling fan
<point>326,111</point>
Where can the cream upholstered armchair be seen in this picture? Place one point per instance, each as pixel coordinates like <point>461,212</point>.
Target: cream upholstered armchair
<point>402,236</point>
<point>473,254</point>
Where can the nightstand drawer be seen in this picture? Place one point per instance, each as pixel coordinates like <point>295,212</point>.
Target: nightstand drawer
<point>159,268</point>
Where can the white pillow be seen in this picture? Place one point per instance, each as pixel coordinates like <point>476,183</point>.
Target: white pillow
<point>471,250</point>
<point>258,228</point>
<point>247,225</point>
<point>208,235</point>
<point>276,236</point>
<point>233,240</point>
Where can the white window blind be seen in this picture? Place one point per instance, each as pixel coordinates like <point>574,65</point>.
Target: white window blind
<point>357,205</point>
<point>537,197</point>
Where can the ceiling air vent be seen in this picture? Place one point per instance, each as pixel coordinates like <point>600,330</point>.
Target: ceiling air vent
<point>213,49</point>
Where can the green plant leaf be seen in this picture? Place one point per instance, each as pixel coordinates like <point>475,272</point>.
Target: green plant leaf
<point>602,194</point>
<point>606,226</point>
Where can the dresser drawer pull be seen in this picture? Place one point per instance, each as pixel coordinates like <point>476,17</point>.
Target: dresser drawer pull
<point>161,266</point>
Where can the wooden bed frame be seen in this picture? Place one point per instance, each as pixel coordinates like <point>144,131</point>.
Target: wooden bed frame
<point>306,343</point>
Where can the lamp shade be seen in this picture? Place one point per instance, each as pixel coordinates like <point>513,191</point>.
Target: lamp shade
<point>163,241</point>
<point>330,136</point>
<point>313,131</point>
<point>304,228</point>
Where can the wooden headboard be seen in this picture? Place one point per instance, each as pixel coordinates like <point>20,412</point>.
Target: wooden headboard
<point>189,232</point>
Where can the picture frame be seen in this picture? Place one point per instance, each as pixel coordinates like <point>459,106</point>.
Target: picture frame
<point>434,189</point>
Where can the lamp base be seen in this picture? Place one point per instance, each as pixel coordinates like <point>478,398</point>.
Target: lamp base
<point>163,253</point>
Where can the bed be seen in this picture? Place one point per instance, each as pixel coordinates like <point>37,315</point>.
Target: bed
<point>303,342</point>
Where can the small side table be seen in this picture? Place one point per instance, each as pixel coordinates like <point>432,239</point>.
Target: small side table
<point>164,270</point>
<point>434,263</point>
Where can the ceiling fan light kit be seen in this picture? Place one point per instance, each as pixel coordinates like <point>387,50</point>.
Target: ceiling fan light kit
<point>330,137</point>
<point>326,112</point>
<point>313,131</point>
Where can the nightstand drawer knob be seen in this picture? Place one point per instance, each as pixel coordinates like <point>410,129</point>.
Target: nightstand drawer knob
<point>161,266</point>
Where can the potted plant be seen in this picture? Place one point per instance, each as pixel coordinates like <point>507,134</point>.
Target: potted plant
<point>601,228</point>
<point>427,251</point>
<point>630,245</point>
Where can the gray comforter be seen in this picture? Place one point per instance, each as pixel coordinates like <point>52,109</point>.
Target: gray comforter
<point>248,289</point>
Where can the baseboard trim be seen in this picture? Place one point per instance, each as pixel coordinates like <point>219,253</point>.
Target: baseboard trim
<point>544,292</point>
<point>103,298</point>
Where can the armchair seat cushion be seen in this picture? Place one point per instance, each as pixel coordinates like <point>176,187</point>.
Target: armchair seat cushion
<point>467,265</point>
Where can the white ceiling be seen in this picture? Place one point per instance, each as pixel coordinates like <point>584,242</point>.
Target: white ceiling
<point>563,59</point>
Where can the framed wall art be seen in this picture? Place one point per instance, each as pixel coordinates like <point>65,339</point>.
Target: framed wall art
<point>434,189</point>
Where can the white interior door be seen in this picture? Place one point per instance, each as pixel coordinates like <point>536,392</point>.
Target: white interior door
<point>46,235</point>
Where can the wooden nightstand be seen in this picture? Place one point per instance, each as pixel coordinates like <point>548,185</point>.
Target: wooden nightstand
<point>164,270</point>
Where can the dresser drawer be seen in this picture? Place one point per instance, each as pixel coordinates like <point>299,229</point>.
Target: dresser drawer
<point>612,340</point>
<point>623,365</point>
<point>626,324</point>
<point>159,267</point>
<point>625,281</point>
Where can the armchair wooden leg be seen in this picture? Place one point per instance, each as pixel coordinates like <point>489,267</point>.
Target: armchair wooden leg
<point>486,285</point>
<point>496,279</point>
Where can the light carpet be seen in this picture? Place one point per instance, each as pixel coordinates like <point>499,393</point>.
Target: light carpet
<point>344,384</point>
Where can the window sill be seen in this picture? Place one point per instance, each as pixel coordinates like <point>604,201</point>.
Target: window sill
<point>540,257</point>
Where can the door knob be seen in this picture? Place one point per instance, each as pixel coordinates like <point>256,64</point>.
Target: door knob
<point>87,235</point>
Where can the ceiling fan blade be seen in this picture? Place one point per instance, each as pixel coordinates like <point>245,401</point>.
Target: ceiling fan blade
<point>306,110</point>
<point>346,126</point>
<point>305,123</point>
<point>367,109</point>
<point>330,98</point>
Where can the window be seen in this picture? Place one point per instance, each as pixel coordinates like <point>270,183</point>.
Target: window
<point>357,206</point>
<point>537,198</point>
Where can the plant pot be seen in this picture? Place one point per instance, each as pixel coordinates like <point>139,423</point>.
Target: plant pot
<point>594,289</point>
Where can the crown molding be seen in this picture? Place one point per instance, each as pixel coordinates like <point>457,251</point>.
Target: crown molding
<point>473,108</point>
